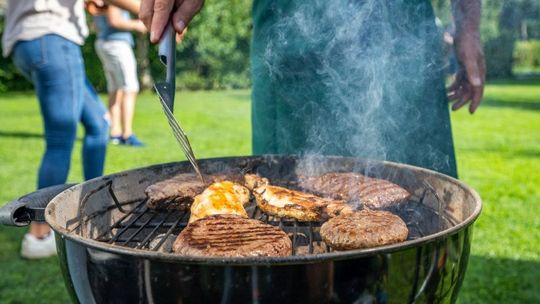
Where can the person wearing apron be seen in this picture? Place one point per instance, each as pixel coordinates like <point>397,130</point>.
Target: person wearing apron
<point>369,85</point>
<point>351,78</point>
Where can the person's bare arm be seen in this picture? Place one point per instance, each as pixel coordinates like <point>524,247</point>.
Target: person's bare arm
<point>469,83</point>
<point>116,20</point>
<point>131,6</point>
<point>156,14</point>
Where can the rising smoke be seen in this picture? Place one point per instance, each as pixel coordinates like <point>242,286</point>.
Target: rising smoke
<point>358,78</point>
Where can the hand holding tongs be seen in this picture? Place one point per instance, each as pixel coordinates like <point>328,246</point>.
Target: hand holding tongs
<point>166,91</point>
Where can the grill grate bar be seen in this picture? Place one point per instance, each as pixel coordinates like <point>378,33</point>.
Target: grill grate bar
<point>295,237</point>
<point>153,214</point>
<point>310,238</point>
<point>125,228</point>
<point>167,234</point>
<point>135,210</point>
<point>115,225</point>
<point>149,237</point>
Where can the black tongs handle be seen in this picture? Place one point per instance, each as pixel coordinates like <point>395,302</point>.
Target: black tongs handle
<point>167,56</point>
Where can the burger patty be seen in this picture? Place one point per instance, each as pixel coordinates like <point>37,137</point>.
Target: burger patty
<point>283,202</point>
<point>232,236</point>
<point>363,229</point>
<point>177,192</point>
<point>372,193</point>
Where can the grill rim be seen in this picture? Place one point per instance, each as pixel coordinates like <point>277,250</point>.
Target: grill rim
<point>247,261</point>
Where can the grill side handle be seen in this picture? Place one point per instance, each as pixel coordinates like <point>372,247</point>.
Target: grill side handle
<point>31,207</point>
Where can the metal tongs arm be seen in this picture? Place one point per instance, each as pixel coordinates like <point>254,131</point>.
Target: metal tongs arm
<point>167,56</point>
<point>166,91</point>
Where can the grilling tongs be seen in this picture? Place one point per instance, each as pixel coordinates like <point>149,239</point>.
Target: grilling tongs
<point>166,91</point>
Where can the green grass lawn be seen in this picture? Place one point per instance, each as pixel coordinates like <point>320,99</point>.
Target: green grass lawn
<point>498,152</point>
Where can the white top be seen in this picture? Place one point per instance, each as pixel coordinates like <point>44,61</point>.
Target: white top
<point>31,19</point>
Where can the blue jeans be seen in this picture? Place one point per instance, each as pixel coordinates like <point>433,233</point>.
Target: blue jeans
<point>55,66</point>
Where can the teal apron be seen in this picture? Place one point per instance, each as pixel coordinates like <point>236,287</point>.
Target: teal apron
<point>351,78</point>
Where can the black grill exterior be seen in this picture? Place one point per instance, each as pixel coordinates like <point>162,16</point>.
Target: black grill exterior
<point>113,249</point>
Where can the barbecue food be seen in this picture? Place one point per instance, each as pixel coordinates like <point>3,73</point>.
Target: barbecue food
<point>363,229</point>
<point>220,198</point>
<point>178,192</point>
<point>283,202</point>
<point>318,248</point>
<point>232,236</point>
<point>371,192</point>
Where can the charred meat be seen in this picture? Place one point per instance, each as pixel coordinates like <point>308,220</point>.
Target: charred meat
<point>232,236</point>
<point>220,198</point>
<point>178,192</point>
<point>363,229</point>
<point>371,193</point>
<point>174,193</point>
<point>283,202</point>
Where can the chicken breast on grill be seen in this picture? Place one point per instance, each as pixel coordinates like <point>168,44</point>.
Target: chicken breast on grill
<point>220,198</point>
<point>371,193</point>
<point>283,202</point>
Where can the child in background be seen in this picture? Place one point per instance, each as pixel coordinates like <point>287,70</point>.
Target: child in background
<point>114,46</point>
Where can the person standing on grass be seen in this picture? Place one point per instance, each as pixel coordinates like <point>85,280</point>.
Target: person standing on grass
<point>44,39</point>
<point>114,46</point>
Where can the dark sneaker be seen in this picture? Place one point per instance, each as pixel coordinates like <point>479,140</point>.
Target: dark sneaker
<point>116,140</point>
<point>133,141</point>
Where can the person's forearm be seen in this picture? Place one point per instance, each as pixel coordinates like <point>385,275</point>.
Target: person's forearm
<point>467,15</point>
<point>130,5</point>
<point>468,86</point>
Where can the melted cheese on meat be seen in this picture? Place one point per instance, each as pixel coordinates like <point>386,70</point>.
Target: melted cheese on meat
<point>220,198</point>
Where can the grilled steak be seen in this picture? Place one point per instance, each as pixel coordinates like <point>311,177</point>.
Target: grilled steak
<point>370,192</point>
<point>232,236</point>
<point>220,198</point>
<point>363,229</point>
<point>283,202</point>
<point>177,192</point>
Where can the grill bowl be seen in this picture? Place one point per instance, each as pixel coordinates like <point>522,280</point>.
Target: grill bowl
<point>428,267</point>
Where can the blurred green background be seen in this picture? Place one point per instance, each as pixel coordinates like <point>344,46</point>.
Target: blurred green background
<point>215,52</point>
<point>498,149</point>
<point>498,153</point>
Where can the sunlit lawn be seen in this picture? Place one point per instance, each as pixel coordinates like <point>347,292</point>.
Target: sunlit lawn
<point>498,153</point>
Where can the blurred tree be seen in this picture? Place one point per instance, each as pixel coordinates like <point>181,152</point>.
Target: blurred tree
<point>10,78</point>
<point>501,25</point>
<point>143,61</point>
<point>499,48</point>
<point>215,52</point>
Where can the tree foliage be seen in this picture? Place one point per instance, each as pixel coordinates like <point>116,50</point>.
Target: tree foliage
<point>10,78</point>
<point>215,51</point>
<point>213,55</point>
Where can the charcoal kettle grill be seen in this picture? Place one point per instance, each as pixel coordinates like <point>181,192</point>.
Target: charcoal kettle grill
<point>113,249</point>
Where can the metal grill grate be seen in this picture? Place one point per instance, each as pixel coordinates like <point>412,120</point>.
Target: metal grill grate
<point>151,229</point>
